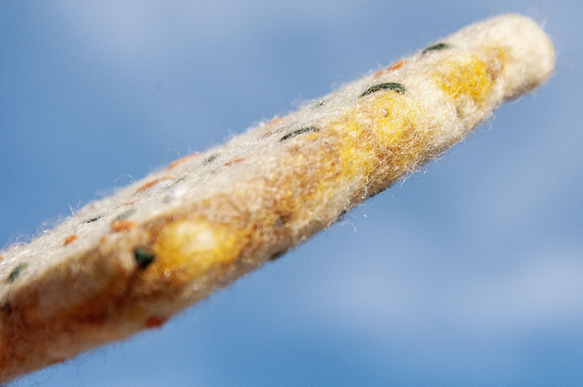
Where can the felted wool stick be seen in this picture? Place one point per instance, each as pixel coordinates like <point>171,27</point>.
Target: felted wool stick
<point>131,261</point>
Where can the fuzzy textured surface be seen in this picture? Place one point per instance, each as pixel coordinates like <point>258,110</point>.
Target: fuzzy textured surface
<point>131,261</point>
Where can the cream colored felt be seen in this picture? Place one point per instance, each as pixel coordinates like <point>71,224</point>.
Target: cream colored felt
<point>131,261</point>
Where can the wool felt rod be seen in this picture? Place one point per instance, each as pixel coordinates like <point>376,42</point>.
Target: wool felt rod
<point>131,261</point>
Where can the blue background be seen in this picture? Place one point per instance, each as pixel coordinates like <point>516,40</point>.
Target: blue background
<point>469,273</point>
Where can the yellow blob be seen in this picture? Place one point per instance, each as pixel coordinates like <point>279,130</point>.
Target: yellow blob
<point>395,116</point>
<point>466,77</point>
<point>383,138</point>
<point>402,137</point>
<point>189,248</point>
<point>351,134</point>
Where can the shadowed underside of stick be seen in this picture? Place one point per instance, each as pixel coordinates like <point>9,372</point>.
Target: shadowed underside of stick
<point>131,261</point>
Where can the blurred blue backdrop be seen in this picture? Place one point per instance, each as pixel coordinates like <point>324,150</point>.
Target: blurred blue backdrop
<point>470,273</point>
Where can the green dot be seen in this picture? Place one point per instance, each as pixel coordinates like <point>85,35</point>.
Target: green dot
<point>178,180</point>
<point>399,88</point>
<point>14,274</point>
<point>211,158</point>
<point>298,132</point>
<point>144,257</point>
<point>95,219</point>
<point>437,47</point>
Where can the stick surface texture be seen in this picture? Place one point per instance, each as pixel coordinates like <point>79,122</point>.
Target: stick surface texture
<point>131,261</point>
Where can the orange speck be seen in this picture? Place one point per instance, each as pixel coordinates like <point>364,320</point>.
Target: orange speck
<point>270,124</point>
<point>233,162</point>
<point>155,322</point>
<point>122,225</point>
<point>154,182</point>
<point>1,258</point>
<point>182,160</point>
<point>103,239</point>
<point>71,239</point>
<point>395,66</point>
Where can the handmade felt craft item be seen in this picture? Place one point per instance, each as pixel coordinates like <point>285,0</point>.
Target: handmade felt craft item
<point>131,261</point>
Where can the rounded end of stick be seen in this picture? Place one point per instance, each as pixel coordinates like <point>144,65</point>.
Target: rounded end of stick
<point>529,52</point>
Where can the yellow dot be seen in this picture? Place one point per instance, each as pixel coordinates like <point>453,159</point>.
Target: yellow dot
<point>466,77</point>
<point>188,248</point>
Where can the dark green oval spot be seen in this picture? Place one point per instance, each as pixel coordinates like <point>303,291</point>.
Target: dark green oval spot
<point>211,158</point>
<point>144,257</point>
<point>93,219</point>
<point>178,180</point>
<point>298,132</point>
<point>437,47</point>
<point>14,274</point>
<point>399,88</point>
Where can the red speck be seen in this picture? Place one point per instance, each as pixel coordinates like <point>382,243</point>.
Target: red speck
<point>154,182</point>
<point>395,66</point>
<point>122,225</point>
<point>182,160</point>
<point>69,239</point>
<point>270,124</point>
<point>233,162</point>
<point>155,322</point>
